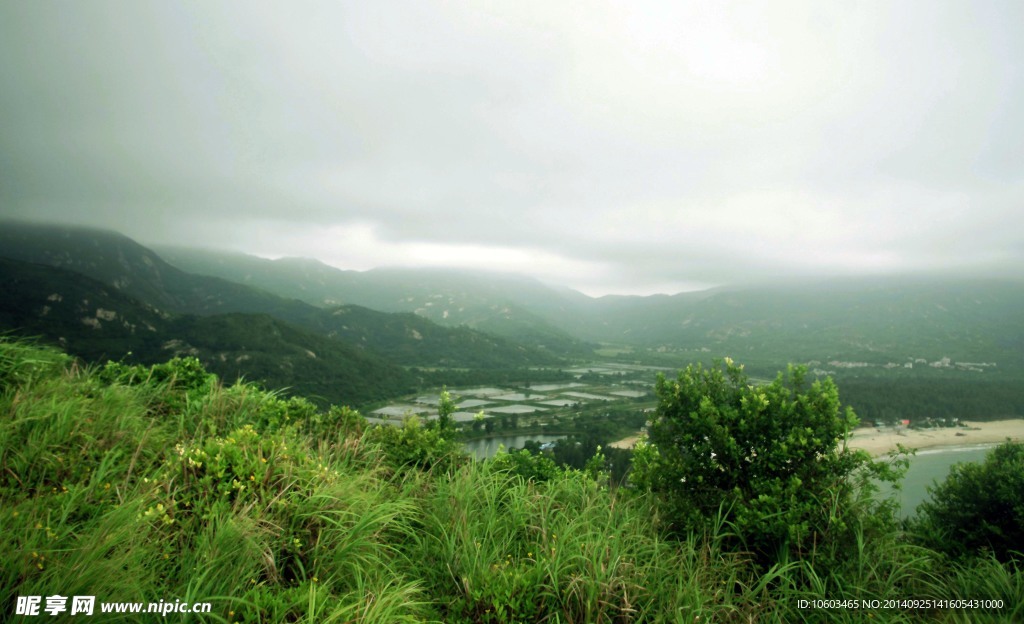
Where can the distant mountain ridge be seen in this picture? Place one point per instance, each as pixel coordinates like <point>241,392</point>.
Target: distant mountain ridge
<point>877,319</point>
<point>137,272</point>
<point>834,325</point>
<point>881,319</point>
<point>510,306</point>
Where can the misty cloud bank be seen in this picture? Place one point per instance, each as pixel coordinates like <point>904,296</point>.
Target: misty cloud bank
<point>638,148</point>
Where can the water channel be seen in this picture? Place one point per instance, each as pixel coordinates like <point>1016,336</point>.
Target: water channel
<point>488,447</point>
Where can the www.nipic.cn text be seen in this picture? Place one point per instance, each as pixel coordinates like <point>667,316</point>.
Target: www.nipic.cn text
<point>86,605</point>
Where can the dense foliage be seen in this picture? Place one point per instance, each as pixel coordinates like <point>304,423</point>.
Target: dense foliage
<point>145,483</point>
<point>979,507</point>
<point>767,458</point>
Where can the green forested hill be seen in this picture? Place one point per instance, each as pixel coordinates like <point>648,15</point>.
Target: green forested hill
<point>258,346</point>
<point>97,322</point>
<point>881,319</point>
<point>129,268</point>
<point>878,320</point>
<point>86,317</point>
<point>513,307</point>
<point>899,347</point>
<point>407,337</point>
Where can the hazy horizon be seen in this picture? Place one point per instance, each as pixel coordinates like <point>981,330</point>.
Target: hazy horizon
<point>777,281</point>
<point>626,149</point>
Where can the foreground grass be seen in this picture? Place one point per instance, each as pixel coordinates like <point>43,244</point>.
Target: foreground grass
<point>141,485</point>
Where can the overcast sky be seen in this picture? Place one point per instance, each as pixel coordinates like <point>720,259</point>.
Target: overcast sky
<point>626,147</point>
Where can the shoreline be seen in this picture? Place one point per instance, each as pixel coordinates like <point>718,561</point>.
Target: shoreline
<point>881,442</point>
<point>973,433</point>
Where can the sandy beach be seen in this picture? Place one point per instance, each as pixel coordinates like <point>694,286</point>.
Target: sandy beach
<point>992,432</point>
<point>881,442</point>
<point>625,443</point>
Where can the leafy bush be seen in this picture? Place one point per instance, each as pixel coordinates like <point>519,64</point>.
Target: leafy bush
<point>978,507</point>
<point>416,445</point>
<point>179,381</point>
<point>768,456</point>
<point>532,467</point>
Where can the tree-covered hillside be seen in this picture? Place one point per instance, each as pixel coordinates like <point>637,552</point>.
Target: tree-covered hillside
<point>97,322</point>
<point>514,307</point>
<point>123,265</point>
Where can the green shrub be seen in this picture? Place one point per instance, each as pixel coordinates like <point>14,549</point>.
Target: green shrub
<point>769,456</point>
<point>979,507</point>
<point>179,381</point>
<point>416,445</point>
<point>524,464</point>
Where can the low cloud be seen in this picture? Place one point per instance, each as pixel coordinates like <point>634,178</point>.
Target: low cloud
<point>613,148</point>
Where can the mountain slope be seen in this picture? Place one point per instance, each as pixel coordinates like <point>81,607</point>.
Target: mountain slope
<point>96,322</point>
<point>138,272</point>
<point>514,307</point>
<point>877,320</point>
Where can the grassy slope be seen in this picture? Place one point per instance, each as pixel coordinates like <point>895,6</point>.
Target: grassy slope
<point>176,487</point>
